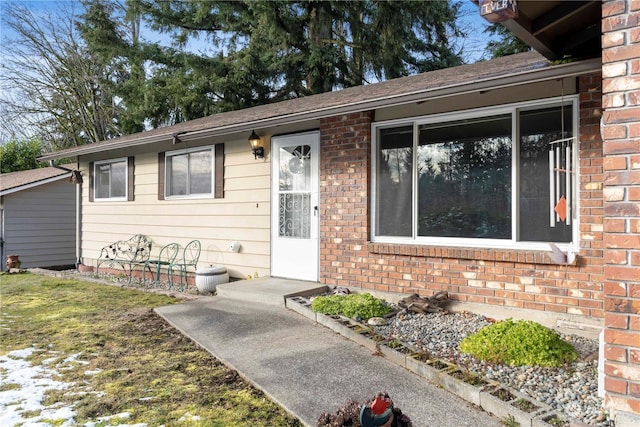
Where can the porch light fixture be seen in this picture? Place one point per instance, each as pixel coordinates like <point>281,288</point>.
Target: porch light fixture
<point>256,145</point>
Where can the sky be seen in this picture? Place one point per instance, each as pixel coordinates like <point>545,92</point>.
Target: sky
<point>476,40</point>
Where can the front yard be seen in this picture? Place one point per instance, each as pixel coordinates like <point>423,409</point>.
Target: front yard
<point>111,360</point>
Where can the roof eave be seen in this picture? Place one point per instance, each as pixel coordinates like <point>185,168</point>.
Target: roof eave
<point>529,76</point>
<point>23,187</point>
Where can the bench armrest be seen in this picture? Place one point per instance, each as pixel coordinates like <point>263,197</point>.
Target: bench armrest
<point>110,251</point>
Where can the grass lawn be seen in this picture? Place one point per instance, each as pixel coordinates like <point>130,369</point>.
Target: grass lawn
<point>129,359</point>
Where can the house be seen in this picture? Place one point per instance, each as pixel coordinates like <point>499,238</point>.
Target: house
<point>454,180</point>
<point>38,217</point>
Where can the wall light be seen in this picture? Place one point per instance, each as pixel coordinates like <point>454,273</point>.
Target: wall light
<point>256,145</point>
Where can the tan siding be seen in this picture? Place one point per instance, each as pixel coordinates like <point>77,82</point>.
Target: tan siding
<point>40,225</point>
<point>241,184</point>
<point>260,168</point>
<point>242,215</point>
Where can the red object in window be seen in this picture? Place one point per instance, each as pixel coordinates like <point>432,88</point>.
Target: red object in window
<point>561,208</point>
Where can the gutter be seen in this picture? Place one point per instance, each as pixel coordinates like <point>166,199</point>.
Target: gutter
<point>53,165</point>
<point>530,76</point>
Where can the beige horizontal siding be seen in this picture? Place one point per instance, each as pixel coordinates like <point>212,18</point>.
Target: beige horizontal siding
<point>243,214</point>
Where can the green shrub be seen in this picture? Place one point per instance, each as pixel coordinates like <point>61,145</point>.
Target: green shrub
<point>519,343</point>
<point>352,305</point>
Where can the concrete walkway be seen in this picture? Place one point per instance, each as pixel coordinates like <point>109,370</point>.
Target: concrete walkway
<point>305,367</point>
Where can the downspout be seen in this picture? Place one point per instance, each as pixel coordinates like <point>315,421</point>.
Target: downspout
<point>78,184</point>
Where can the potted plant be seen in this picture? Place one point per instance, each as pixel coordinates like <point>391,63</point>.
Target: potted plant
<point>13,261</point>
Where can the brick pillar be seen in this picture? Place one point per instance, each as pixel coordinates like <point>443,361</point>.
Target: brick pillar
<point>621,136</point>
<point>345,144</point>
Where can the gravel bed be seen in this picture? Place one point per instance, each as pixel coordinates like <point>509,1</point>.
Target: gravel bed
<point>572,390</point>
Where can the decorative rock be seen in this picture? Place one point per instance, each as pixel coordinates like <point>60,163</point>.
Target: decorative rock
<point>572,390</point>
<point>377,321</point>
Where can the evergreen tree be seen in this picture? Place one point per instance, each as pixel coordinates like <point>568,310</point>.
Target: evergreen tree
<point>111,29</point>
<point>506,44</point>
<point>256,52</point>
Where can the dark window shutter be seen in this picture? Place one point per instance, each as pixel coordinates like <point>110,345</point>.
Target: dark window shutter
<point>219,171</point>
<point>91,172</point>
<point>161,176</point>
<point>130,179</point>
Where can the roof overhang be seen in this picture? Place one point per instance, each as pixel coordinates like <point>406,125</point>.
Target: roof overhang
<point>558,29</point>
<point>526,77</point>
<point>34,184</point>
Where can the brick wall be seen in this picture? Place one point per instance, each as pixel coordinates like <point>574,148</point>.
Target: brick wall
<point>520,279</point>
<point>621,133</point>
<point>344,201</point>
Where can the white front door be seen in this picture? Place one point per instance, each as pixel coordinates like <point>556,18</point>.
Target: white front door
<point>294,200</point>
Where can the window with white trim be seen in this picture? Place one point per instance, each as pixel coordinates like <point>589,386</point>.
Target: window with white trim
<point>110,179</point>
<point>189,173</point>
<point>499,177</point>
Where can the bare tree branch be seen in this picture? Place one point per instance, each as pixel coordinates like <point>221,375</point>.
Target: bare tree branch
<point>52,87</point>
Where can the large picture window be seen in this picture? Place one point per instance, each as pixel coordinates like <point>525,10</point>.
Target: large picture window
<point>110,180</point>
<point>464,178</point>
<point>189,172</point>
<point>500,177</point>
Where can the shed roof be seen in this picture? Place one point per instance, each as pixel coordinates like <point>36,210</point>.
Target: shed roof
<point>500,72</point>
<point>17,181</point>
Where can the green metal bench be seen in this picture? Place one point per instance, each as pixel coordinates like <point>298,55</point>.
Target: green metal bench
<point>126,254</point>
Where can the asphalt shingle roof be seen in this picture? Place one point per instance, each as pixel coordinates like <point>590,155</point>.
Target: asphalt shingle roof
<point>13,180</point>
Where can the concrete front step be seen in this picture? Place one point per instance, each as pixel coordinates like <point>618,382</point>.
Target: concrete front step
<point>268,290</point>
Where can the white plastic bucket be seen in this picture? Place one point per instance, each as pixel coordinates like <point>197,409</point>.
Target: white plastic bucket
<point>207,278</point>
